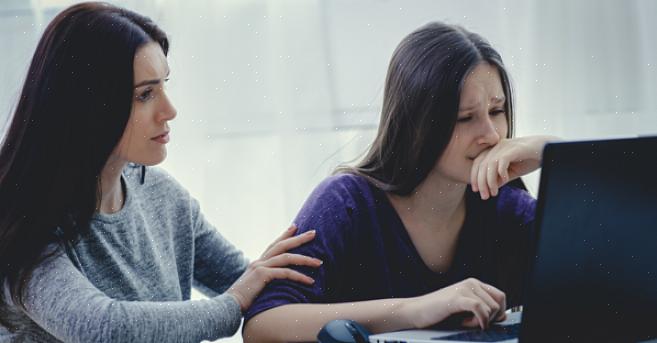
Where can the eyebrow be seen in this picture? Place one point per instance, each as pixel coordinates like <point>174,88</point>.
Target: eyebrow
<point>493,100</point>
<point>151,82</point>
<point>468,108</point>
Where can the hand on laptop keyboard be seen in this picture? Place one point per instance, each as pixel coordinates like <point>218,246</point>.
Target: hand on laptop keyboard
<point>486,304</point>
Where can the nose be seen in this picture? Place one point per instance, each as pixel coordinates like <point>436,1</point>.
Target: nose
<point>489,133</point>
<point>167,110</point>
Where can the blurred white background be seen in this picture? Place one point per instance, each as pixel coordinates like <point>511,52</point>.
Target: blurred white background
<point>272,95</point>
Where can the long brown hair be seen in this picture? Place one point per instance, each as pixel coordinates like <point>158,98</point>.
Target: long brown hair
<point>72,111</point>
<point>420,104</point>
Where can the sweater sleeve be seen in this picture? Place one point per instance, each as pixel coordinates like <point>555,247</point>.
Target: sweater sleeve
<point>64,303</point>
<point>217,262</point>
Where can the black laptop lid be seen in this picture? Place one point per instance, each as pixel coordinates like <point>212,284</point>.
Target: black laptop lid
<point>594,273</point>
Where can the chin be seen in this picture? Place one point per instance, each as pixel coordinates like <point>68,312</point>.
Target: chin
<point>153,163</point>
<point>152,160</point>
<point>156,161</point>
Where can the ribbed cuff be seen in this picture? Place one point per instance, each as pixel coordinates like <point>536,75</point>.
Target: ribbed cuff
<point>233,313</point>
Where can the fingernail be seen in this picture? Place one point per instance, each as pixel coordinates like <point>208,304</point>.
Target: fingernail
<point>311,232</point>
<point>291,228</point>
<point>319,261</point>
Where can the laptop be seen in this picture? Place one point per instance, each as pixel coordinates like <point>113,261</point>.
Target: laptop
<point>593,274</point>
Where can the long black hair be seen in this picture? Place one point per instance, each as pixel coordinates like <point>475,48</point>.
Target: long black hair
<point>72,112</point>
<point>420,104</point>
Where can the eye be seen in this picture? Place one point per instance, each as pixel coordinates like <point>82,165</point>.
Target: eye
<point>145,95</point>
<point>464,119</point>
<point>497,111</point>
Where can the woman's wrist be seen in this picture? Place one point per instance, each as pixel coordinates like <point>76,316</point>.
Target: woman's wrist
<point>541,141</point>
<point>535,145</point>
<point>411,314</point>
<point>239,299</point>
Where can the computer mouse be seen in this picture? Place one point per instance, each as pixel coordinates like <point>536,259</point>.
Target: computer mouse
<point>343,331</point>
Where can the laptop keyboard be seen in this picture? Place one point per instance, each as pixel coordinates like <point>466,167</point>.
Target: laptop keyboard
<point>495,333</point>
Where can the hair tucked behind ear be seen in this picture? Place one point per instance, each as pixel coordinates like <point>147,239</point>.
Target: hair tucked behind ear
<point>72,111</point>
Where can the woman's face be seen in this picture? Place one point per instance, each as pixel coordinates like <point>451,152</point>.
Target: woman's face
<point>480,125</point>
<point>147,132</point>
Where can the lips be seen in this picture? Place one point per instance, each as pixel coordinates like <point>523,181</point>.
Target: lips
<point>163,138</point>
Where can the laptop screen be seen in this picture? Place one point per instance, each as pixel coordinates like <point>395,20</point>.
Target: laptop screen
<point>594,273</point>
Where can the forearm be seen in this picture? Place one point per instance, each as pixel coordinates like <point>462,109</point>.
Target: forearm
<point>61,301</point>
<point>302,322</point>
<point>539,141</point>
<point>105,320</point>
<point>178,321</point>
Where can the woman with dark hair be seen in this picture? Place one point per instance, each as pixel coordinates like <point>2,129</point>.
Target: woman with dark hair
<point>402,226</point>
<point>93,249</point>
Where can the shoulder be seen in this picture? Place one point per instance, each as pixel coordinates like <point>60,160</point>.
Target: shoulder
<point>343,190</point>
<point>344,185</point>
<point>338,199</point>
<point>516,204</point>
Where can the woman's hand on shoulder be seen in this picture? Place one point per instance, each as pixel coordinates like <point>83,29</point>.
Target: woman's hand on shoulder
<point>480,302</point>
<point>272,265</point>
<point>506,161</point>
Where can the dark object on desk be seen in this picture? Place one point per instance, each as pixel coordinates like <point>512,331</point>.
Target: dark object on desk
<point>343,331</point>
<point>594,273</point>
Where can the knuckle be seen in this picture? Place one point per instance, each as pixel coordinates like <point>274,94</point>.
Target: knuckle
<point>497,299</point>
<point>259,264</point>
<point>279,245</point>
<point>260,270</point>
<point>478,306</point>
